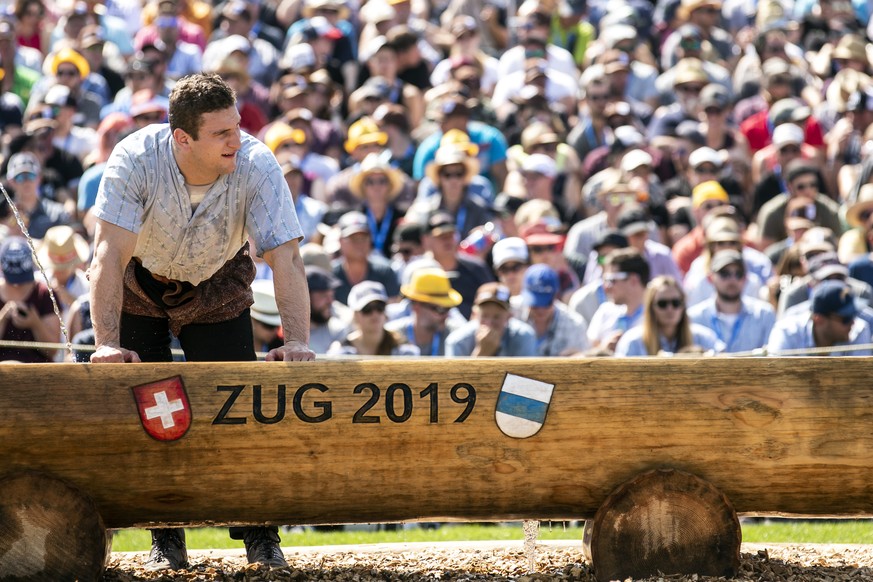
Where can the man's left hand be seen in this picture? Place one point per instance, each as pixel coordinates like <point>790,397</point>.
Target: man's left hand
<point>292,351</point>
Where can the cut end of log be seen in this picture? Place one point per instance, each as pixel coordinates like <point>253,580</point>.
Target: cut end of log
<point>49,531</point>
<point>664,521</point>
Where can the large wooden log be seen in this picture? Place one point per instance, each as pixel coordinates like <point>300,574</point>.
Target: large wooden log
<point>663,521</point>
<point>49,531</point>
<point>363,441</point>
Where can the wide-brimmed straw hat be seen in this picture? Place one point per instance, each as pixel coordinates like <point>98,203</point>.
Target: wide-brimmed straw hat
<point>864,202</point>
<point>311,6</point>
<point>376,164</point>
<point>449,156</point>
<point>62,247</point>
<point>432,286</point>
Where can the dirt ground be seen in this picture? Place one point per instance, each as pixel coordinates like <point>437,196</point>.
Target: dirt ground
<point>491,561</point>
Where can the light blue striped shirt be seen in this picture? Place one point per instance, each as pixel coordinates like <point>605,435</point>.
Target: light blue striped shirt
<point>750,331</point>
<point>795,333</point>
<point>143,191</point>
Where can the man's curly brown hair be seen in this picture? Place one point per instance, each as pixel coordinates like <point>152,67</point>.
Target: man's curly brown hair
<point>195,95</point>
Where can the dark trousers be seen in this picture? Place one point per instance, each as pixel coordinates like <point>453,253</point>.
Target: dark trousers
<point>227,341</point>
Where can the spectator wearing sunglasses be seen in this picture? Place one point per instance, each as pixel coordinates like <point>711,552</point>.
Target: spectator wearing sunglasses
<point>509,259</point>
<point>368,300</point>
<point>23,177</point>
<point>625,276</point>
<point>801,214</point>
<point>831,321</point>
<point>586,300</point>
<point>433,316</point>
<point>801,179</point>
<point>452,172</point>
<point>742,323</point>
<point>666,328</point>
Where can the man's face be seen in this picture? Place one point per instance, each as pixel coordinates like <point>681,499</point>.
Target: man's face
<point>541,315</point>
<point>214,152</point>
<point>430,317</point>
<point>788,153</point>
<point>616,284</point>
<point>638,240</point>
<point>356,246</point>
<point>597,99</point>
<point>319,306</point>
<point>538,185</point>
<point>511,274</point>
<point>703,173</point>
<point>804,185</point>
<point>492,315</point>
<point>833,328</point>
<point>264,333</point>
<point>68,75</point>
<point>26,185</point>
<point>441,245</point>
<point>729,282</point>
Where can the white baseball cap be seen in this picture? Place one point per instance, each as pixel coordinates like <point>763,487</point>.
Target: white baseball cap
<point>634,159</point>
<point>541,164</point>
<point>509,249</point>
<point>705,155</point>
<point>786,134</point>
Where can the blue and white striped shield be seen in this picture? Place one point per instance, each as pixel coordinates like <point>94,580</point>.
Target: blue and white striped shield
<point>522,406</point>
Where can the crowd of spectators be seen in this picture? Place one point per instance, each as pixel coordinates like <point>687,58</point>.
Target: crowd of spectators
<point>547,178</point>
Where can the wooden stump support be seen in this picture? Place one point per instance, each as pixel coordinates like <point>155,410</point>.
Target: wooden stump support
<point>49,530</point>
<point>663,522</point>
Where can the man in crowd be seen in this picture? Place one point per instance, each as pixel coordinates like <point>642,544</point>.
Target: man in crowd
<point>325,324</point>
<point>559,331</point>
<point>356,263</point>
<point>741,323</point>
<point>431,298</point>
<point>625,276</point>
<point>492,331</point>
<point>830,322</point>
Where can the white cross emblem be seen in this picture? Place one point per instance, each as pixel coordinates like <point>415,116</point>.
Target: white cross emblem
<point>164,410</point>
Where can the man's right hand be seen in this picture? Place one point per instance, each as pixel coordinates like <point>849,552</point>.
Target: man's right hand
<point>112,355</point>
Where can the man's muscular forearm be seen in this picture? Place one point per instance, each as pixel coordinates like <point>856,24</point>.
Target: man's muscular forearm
<point>106,298</point>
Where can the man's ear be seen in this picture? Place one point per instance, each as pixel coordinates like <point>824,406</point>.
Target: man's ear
<point>182,138</point>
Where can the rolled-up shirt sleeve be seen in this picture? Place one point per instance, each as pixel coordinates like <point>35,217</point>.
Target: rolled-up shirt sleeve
<point>120,197</point>
<point>272,218</point>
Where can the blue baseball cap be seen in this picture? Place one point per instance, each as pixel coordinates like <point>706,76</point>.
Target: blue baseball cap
<point>834,297</point>
<point>540,286</point>
<point>16,261</point>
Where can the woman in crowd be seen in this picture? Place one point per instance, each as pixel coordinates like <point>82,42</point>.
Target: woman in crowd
<point>666,328</point>
<point>368,300</point>
<point>377,185</point>
<point>452,171</point>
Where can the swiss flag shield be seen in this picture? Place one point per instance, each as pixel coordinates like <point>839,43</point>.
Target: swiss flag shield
<point>163,408</point>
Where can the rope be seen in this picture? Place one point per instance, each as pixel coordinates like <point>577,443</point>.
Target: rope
<point>78,347</point>
<point>758,353</point>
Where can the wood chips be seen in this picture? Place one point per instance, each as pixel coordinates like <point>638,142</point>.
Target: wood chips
<point>490,561</point>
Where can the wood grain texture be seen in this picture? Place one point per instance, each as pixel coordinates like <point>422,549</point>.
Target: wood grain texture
<point>783,436</point>
<point>667,522</point>
<point>49,531</point>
